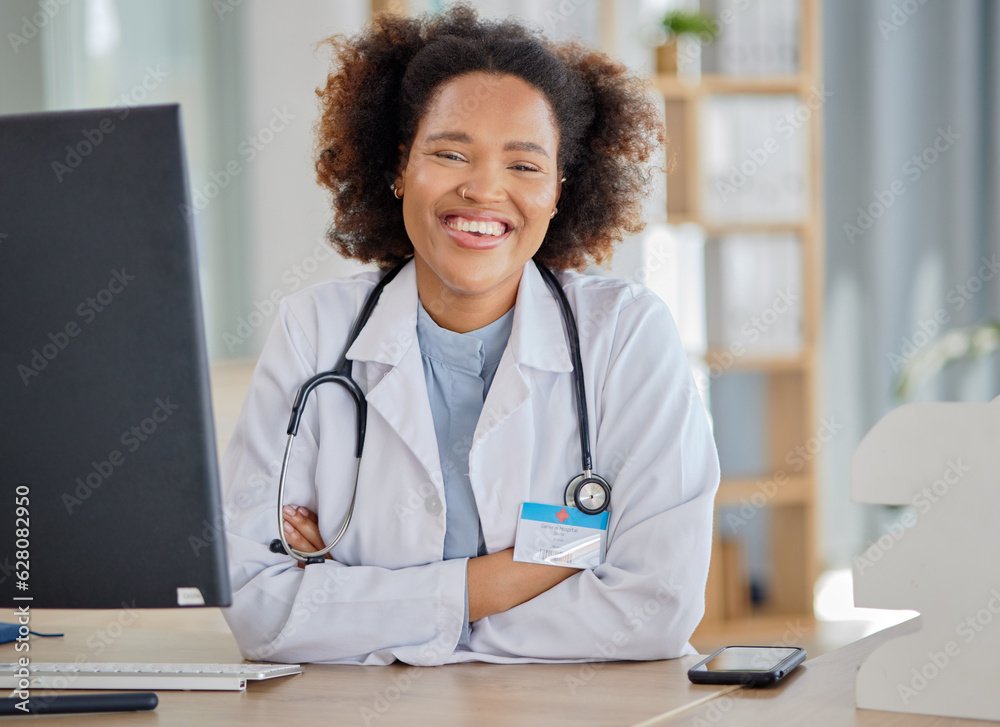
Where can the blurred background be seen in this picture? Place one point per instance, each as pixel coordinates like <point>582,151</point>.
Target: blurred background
<point>826,237</point>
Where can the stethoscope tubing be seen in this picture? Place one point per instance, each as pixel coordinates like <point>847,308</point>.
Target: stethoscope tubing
<point>319,554</point>
<point>342,375</point>
<point>573,336</point>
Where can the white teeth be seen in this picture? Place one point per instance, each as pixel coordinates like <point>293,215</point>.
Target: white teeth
<point>488,228</point>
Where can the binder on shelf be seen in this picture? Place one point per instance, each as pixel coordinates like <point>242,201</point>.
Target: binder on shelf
<point>754,294</point>
<point>753,159</point>
<point>757,39</point>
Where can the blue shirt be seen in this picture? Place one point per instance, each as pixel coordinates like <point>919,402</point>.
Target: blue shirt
<point>458,369</point>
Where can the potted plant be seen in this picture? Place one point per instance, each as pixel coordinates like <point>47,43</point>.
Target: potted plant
<point>682,23</point>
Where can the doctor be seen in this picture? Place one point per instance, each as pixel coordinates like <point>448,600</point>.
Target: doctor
<point>467,374</point>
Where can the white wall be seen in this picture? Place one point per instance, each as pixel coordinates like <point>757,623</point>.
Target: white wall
<point>287,211</point>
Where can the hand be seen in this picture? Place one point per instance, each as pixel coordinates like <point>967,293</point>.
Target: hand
<point>302,530</point>
<point>497,582</point>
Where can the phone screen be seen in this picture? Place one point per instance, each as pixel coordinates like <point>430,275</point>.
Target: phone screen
<point>748,658</point>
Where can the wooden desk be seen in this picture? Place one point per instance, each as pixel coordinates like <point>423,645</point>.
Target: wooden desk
<point>817,694</point>
<point>484,695</point>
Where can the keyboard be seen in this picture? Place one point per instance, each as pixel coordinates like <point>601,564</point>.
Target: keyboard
<point>231,677</point>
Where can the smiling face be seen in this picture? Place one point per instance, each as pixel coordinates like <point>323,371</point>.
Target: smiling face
<point>495,138</point>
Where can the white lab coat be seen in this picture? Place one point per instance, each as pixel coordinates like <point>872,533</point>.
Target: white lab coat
<point>388,594</point>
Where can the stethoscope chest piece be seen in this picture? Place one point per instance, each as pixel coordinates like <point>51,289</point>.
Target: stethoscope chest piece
<point>589,493</point>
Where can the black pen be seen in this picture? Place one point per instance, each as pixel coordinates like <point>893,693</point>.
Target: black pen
<point>79,703</point>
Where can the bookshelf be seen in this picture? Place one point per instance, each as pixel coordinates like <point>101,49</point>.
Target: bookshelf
<point>783,490</point>
<point>780,495</point>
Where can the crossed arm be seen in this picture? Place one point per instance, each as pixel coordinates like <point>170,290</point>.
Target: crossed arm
<point>496,581</point>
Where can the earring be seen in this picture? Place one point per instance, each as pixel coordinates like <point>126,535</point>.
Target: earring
<point>562,180</point>
<point>554,210</point>
<point>393,188</point>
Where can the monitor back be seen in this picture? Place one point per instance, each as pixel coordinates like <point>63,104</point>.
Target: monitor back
<point>108,469</point>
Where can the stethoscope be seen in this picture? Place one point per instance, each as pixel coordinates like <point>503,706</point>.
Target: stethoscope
<point>588,492</point>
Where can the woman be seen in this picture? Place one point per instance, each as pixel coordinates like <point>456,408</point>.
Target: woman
<point>433,126</point>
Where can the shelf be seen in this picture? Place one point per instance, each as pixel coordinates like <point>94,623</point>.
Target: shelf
<point>673,87</point>
<point>718,358</point>
<point>786,490</point>
<point>721,229</point>
<point>786,378</point>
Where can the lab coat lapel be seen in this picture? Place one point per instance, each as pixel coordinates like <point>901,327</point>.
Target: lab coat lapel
<point>537,340</point>
<point>502,464</point>
<point>394,371</point>
<point>538,335</point>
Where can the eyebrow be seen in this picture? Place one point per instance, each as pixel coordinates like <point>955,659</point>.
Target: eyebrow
<point>464,138</point>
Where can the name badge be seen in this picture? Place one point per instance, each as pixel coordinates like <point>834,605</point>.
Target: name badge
<point>560,535</point>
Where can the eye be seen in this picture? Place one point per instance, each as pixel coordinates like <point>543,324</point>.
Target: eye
<point>526,168</point>
<point>447,155</point>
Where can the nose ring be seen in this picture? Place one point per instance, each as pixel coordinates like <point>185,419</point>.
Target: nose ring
<point>463,194</point>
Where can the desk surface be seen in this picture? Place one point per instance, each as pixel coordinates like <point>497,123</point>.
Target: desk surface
<point>819,693</point>
<point>623,693</point>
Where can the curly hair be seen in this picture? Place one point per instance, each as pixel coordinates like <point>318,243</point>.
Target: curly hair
<point>609,129</point>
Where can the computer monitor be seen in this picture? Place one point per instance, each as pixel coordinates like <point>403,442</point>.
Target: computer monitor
<point>108,471</point>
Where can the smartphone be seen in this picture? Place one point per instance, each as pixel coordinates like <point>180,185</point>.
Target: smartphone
<point>751,666</point>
